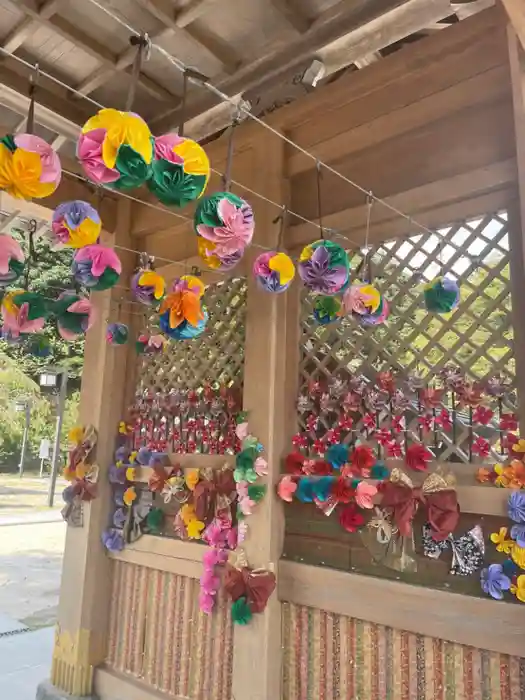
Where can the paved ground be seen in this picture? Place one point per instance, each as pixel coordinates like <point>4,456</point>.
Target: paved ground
<point>31,547</point>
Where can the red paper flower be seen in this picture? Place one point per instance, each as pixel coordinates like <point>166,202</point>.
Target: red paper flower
<point>394,449</point>
<point>385,381</point>
<point>321,468</point>
<point>481,447</point>
<point>482,415</point>
<point>443,420</point>
<point>191,446</point>
<point>332,436</point>
<point>362,459</point>
<point>471,395</point>
<point>417,456</point>
<point>319,447</point>
<point>346,422</point>
<point>508,421</point>
<point>300,440</point>
<point>312,422</point>
<point>350,518</point>
<point>369,421</point>
<point>509,441</point>
<point>315,389</point>
<point>342,491</point>
<point>426,423</point>
<point>294,463</point>
<point>398,423</point>
<point>431,398</point>
<point>383,436</point>
<point>351,402</point>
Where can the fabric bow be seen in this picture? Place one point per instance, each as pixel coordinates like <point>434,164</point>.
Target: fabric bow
<point>255,585</point>
<point>468,551</point>
<point>212,496</point>
<point>159,477</point>
<point>402,500</point>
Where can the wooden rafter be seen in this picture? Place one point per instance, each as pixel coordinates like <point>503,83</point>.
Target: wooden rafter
<point>346,32</point>
<point>47,16</point>
<point>293,14</point>
<point>516,12</point>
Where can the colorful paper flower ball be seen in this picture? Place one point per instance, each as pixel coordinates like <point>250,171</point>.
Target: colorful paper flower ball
<point>327,310</point>
<point>211,259</point>
<point>225,220</point>
<point>150,344</point>
<point>441,295</point>
<point>117,334</point>
<point>116,149</point>
<point>148,287</point>
<point>274,271</point>
<point>181,310</point>
<point>23,313</point>
<point>361,299</point>
<point>180,170</point>
<point>75,315</point>
<point>11,260</point>
<point>75,224</point>
<point>324,267</point>
<point>96,267</point>
<point>378,316</point>
<point>29,167</point>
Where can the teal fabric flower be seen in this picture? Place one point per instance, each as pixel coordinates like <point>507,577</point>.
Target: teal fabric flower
<point>337,455</point>
<point>241,612</point>
<point>379,471</point>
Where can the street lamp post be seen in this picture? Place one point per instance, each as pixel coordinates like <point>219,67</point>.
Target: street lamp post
<point>51,380</point>
<point>24,405</point>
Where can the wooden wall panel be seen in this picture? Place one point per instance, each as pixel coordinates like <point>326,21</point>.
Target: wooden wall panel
<point>330,656</point>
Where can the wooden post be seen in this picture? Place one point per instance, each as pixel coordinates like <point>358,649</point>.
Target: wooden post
<point>269,397</point>
<point>517,217</point>
<point>80,642</point>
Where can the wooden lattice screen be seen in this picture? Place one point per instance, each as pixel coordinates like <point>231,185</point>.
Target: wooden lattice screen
<point>477,337</point>
<point>216,358</point>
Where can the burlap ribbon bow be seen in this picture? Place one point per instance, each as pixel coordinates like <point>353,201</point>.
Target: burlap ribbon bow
<point>214,494</point>
<point>401,499</point>
<point>256,585</point>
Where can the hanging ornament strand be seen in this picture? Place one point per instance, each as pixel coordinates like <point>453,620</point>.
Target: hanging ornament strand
<point>33,82</point>
<point>227,176</point>
<point>143,46</point>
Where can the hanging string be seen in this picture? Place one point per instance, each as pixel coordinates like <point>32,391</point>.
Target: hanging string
<point>227,176</point>
<point>365,266</point>
<point>282,218</point>
<point>143,44</point>
<point>187,75</point>
<point>319,207</point>
<point>33,82</point>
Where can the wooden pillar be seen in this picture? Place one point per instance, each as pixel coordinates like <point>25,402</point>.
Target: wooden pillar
<point>517,217</point>
<point>269,397</point>
<point>80,642</point>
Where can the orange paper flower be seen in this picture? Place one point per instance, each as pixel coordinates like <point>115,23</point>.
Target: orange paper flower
<point>483,475</point>
<point>182,306</point>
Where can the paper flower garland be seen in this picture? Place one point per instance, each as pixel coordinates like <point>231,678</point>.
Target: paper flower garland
<point>441,295</point>
<point>227,222</point>
<point>180,170</point>
<point>148,287</point>
<point>181,314</point>
<point>96,267</point>
<point>324,267</point>
<point>274,271</point>
<point>75,315</point>
<point>116,149</point>
<point>75,224</point>
<point>327,310</point>
<point>150,344</point>
<point>23,313</point>
<point>117,334</point>
<point>207,254</point>
<point>11,260</point>
<point>366,303</point>
<point>29,167</point>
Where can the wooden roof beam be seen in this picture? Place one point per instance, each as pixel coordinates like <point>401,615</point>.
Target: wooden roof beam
<point>293,14</point>
<point>181,22</point>
<point>340,36</point>
<point>516,11</point>
<point>46,16</point>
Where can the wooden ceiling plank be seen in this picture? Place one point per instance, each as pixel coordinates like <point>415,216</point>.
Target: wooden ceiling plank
<point>334,24</point>
<point>293,15</point>
<point>163,11</point>
<point>462,10</point>
<point>194,10</point>
<point>516,11</point>
<point>18,35</point>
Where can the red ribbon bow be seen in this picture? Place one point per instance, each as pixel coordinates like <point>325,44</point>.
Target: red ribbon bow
<point>256,586</point>
<point>403,500</point>
<point>207,490</point>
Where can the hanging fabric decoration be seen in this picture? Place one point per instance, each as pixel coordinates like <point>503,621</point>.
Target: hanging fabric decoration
<point>441,295</point>
<point>75,315</point>
<point>11,260</point>
<point>29,167</point>
<point>75,224</point>
<point>117,334</point>
<point>23,313</point>
<point>116,148</point>
<point>327,310</point>
<point>181,315</point>
<point>147,286</point>
<point>324,267</point>
<point>180,169</point>
<point>150,344</point>
<point>96,267</point>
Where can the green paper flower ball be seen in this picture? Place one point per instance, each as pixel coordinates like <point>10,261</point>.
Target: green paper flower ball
<point>441,295</point>
<point>180,170</point>
<point>75,315</point>
<point>327,310</point>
